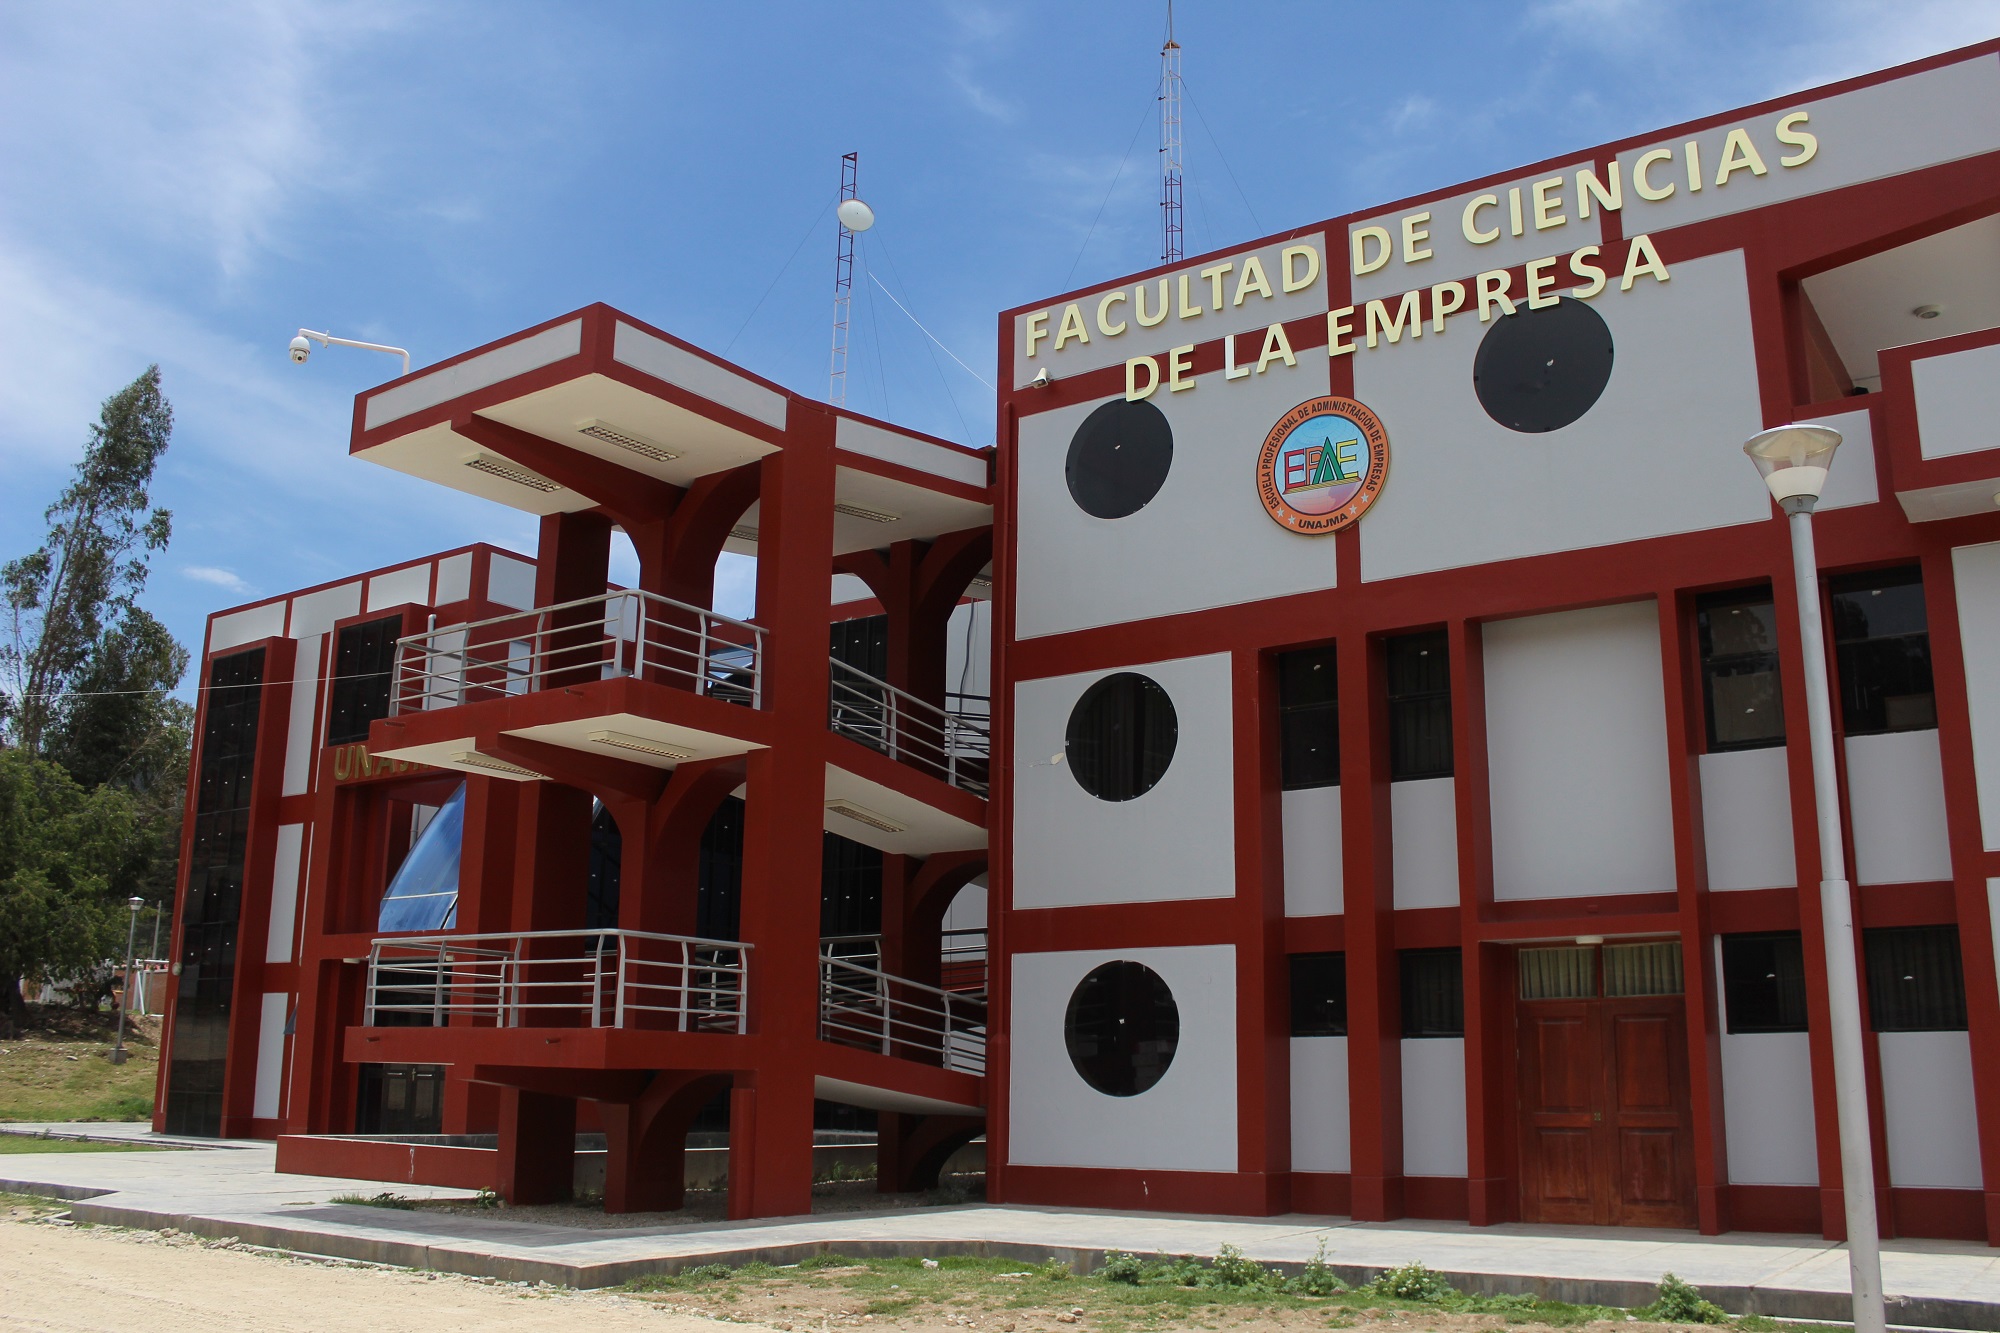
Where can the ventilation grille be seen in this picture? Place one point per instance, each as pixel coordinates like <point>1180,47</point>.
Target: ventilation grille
<point>1642,969</point>
<point>1558,974</point>
<point>872,515</point>
<point>520,476</point>
<point>597,430</point>
<point>618,740</point>
<point>861,814</point>
<point>474,759</point>
<point>743,532</point>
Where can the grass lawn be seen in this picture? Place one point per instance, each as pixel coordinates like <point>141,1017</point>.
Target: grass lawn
<point>55,1067</point>
<point>1230,1292</point>
<point>14,1144</point>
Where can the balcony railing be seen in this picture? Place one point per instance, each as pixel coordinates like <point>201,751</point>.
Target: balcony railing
<point>953,743</point>
<point>867,1008</point>
<point>559,978</point>
<point>962,956</point>
<point>626,633</point>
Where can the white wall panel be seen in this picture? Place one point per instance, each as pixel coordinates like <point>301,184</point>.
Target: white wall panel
<point>241,627</point>
<point>1932,1127</point>
<point>301,734</point>
<point>1958,401</point>
<point>1852,480</point>
<point>1176,841</point>
<point>1423,842</point>
<point>905,450</point>
<point>1185,1122</point>
<point>1319,1104</point>
<point>1203,541</point>
<point>454,578</point>
<point>431,387</point>
<point>1576,744</point>
<point>400,586</point>
<point>851,588</point>
<point>1976,573</point>
<point>270,1054</point>
<point>1895,790</point>
<point>1746,817</point>
<point>1434,1106</point>
<point>1916,121</point>
<point>286,869</point>
<point>1767,1103</point>
<point>968,667</point>
<point>511,582</point>
<point>1311,822</point>
<point>697,374</point>
<point>968,907</point>
<point>1464,490</point>
<point>316,612</point>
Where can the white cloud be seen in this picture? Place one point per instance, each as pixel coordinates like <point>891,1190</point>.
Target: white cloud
<point>221,578</point>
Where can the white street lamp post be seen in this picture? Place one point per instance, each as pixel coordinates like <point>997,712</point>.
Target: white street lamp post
<point>301,348</point>
<point>1793,461</point>
<point>118,1053</point>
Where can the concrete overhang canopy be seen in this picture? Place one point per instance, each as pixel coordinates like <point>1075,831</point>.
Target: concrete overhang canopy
<point>594,381</point>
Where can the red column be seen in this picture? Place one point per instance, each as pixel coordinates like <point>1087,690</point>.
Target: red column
<point>771,1105</point>
<point>537,1147</point>
<point>1374,1002</point>
<point>1263,1012</point>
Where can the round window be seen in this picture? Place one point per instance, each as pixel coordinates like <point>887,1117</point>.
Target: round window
<point>1121,736</point>
<point>1118,458</point>
<point>1122,1028</point>
<point>1539,370</point>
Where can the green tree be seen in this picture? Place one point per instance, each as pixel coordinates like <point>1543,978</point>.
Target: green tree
<point>68,599</point>
<point>66,865</point>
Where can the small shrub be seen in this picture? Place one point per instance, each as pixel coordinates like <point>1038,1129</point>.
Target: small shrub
<point>487,1199</point>
<point>1682,1303</point>
<point>827,1260</point>
<point>1180,1272</point>
<point>1124,1268</point>
<point>1412,1282</point>
<point>1317,1279</point>
<point>1232,1272</point>
<point>1055,1270</point>
<point>708,1273</point>
<point>757,1268</point>
<point>382,1200</point>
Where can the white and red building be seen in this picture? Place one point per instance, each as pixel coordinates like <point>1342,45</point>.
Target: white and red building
<point>1385,791</point>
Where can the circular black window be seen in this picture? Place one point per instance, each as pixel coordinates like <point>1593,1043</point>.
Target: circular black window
<point>1118,458</point>
<point>1539,370</point>
<point>1122,1028</point>
<point>1121,737</point>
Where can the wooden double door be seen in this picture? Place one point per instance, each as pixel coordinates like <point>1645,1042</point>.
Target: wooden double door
<point>1607,1131</point>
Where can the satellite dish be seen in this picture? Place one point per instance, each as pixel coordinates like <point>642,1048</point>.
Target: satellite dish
<point>855,215</point>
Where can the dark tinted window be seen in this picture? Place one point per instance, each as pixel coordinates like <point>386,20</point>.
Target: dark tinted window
<point>1883,645</point>
<point>719,873</point>
<point>1916,982</point>
<point>1121,738</point>
<point>1308,718</point>
<point>364,663</point>
<point>1764,982</point>
<point>1319,995</point>
<point>862,644</point>
<point>212,896</point>
<point>607,863</point>
<point>1419,671</point>
<point>1122,1028</point>
<point>1433,993</point>
<point>850,887</point>
<point>1739,669</point>
<point>1118,458</point>
<point>1539,370</point>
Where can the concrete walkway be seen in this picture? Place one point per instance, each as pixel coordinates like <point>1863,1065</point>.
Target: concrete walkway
<point>233,1189</point>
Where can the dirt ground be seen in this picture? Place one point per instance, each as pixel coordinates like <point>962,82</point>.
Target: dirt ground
<point>71,1279</point>
<point>99,1280</point>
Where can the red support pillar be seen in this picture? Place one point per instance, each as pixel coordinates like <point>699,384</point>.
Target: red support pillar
<point>1263,982</point>
<point>1374,1006</point>
<point>537,1147</point>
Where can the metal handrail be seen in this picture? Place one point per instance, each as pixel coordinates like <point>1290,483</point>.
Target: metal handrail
<point>618,978</point>
<point>952,744</point>
<point>868,1008</point>
<point>629,632</point>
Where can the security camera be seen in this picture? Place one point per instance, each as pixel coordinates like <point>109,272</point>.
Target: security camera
<point>1041,379</point>
<point>301,349</point>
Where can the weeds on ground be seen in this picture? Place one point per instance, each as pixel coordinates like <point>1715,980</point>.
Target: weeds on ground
<point>382,1200</point>
<point>1128,1292</point>
<point>35,1143</point>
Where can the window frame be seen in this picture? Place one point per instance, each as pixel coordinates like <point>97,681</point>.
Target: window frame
<point>1712,665</point>
<point>1449,1006</point>
<point>1407,695</point>
<point>1739,1006</point>
<point>1886,1008</point>
<point>1302,769</point>
<point>1318,993</point>
<point>1850,652</point>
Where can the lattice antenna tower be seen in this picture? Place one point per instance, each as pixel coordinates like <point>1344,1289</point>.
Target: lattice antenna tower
<point>843,285</point>
<point>1170,145</point>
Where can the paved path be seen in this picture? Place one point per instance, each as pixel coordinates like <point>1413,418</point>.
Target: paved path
<point>233,1189</point>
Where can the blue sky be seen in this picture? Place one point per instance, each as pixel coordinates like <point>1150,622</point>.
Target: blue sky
<point>190,184</point>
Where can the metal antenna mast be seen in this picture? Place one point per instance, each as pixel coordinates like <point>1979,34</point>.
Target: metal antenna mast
<point>843,286</point>
<point>1170,145</point>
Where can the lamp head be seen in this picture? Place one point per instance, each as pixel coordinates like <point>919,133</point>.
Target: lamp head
<point>1793,461</point>
<point>135,903</point>
<point>301,349</point>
